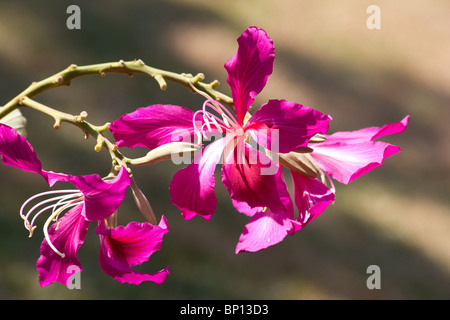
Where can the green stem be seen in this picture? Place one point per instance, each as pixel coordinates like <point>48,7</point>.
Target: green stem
<point>130,68</point>
<point>65,77</point>
<point>79,121</point>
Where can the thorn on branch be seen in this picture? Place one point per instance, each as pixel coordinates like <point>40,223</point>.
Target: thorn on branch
<point>214,84</point>
<point>57,124</point>
<point>162,83</point>
<point>197,78</point>
<point>98,146</point>
<point>83,115</point>
<point>59,80</point>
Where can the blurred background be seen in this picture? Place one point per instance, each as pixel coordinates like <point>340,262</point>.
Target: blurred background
<point>396,217</point>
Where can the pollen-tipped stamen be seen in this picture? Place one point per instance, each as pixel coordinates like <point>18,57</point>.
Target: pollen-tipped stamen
<point>60,204</point>
<point>47,236</point>
<point>60,201</point>
<point>226,120</point>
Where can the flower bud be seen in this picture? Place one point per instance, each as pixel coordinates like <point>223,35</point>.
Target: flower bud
<point>300,162</point>
<point>167,152</point>
<point>142,203</point>
<point>15,120</point>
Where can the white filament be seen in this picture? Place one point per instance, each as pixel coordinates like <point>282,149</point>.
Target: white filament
<point>221,123</point>
<point>70,198</point>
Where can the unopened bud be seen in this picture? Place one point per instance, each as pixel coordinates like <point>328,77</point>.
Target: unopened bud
<point>166,152</point>
<point>301,162</point>
<point>142,203</point>
<point>59,80</point>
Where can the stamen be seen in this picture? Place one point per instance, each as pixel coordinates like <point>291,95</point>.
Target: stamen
<point>199,92</point>
<point>225,120</point>
<point>54,216</point>
<point>70,198</point>
<point>221,109</point>
<point>60,201</point>
<point>47,237</point>
<point>199,136</point>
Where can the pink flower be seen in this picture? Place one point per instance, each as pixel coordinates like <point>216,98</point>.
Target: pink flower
<point>94,199</point>
<point>254,181</point>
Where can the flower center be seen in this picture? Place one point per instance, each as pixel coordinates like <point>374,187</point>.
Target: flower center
<point>216,119</point>
<point>57,205</point>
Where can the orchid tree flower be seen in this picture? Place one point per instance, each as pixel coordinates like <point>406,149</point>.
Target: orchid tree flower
<point>93,200</point>
<point>254,149</point>
<point>254,180</point>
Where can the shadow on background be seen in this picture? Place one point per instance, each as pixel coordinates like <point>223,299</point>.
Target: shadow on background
<point>327,260</point>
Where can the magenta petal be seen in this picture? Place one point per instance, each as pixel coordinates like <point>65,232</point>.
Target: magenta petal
<point>192,188</point>
<point>154,125</point>
<point>347,161</point>
<point>246,179</point>
<point>346,156</point>
<point>267,228</point>
<point>244,208</point>
<point>392,128</point>
<point>53,177</point>
<point>101,198</point>
<point>125,247</point>
<point>291,124</point>
<point>312,197</point>
<point>249,68</point>
<point>17,152</point>
<point>371,133</point>
<point>67,235</point>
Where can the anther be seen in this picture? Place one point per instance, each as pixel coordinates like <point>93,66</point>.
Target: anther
<point>31,231</point>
